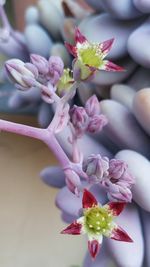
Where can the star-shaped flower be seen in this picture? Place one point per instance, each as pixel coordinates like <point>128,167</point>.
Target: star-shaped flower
<point>98,221</point>
<point>89,56</point>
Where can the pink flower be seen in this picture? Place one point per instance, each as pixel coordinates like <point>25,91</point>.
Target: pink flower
<point>89,57</point>
<point>98,221</point>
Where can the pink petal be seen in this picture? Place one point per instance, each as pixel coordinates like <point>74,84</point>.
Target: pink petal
<point>110,66</point>
<point>120,235</point>
<point>106,46</point>
<point>116,207</point>
<point>79,37</point>
<point>73,229</point>
<point>94,248</point>
<point>88,200</point>
<point>71,49</point>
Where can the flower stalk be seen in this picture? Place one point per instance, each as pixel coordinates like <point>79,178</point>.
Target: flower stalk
<point>59,86</point>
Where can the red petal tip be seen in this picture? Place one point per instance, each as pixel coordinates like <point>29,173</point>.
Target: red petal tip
<point>120,235</point>
<point>94,248</point>
<point>79,37</point>
<point>106,45</point>
<point>116,207</point>
<point>88,200</point>
<point>71,49</point>
<point>110,66</point>
<point>73,229</point>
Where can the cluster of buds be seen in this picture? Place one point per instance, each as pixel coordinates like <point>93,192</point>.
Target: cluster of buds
<point>39,72</point>
<point>87,119</point>
<point>112,174</point>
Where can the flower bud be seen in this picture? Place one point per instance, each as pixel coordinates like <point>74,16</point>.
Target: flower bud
<point>92,106</point>
<point>121,195</point>
<point>73,182</point>
<point>32,68</point>
<point>56,67</point>
<point>20,74</point>
<point>96,167</point>
<point>117,168</point>
<point>118,182</point>
<point>96,123</point>
<point>79,119</point>
<point>41,63</point>
<point>47,93</point>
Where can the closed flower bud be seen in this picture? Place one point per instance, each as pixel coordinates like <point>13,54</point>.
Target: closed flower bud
<point>79,119</point>
<point>96,167</point>
<point>41,63</point>
<point>32,68</point>
<point>117,168</point>
<point>96,123</point>
<point>92,106</point>
<point>123,194</point>
<point>119,181</point>
<point>20,74</point>
<point>73,182</point>
<point>47,93</point>
<point>56,67</point>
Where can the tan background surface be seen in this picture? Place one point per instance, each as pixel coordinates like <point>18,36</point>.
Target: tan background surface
<point>29,221</point>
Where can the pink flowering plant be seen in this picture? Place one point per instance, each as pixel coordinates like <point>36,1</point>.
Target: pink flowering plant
<point>58,87</point>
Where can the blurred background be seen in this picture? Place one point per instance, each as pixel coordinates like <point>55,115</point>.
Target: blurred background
<point>29,221</point>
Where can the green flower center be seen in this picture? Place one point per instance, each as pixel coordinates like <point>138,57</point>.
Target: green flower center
<point>90,55</point>
<point>65,81</point>
<point>98,220</point>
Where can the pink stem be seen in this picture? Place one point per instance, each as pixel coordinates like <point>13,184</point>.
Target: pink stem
<point>21,129</point>
<point>53,144</point>
<point>42,134</point>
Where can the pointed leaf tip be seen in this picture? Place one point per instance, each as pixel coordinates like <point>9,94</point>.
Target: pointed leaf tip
<point>88,200</point>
